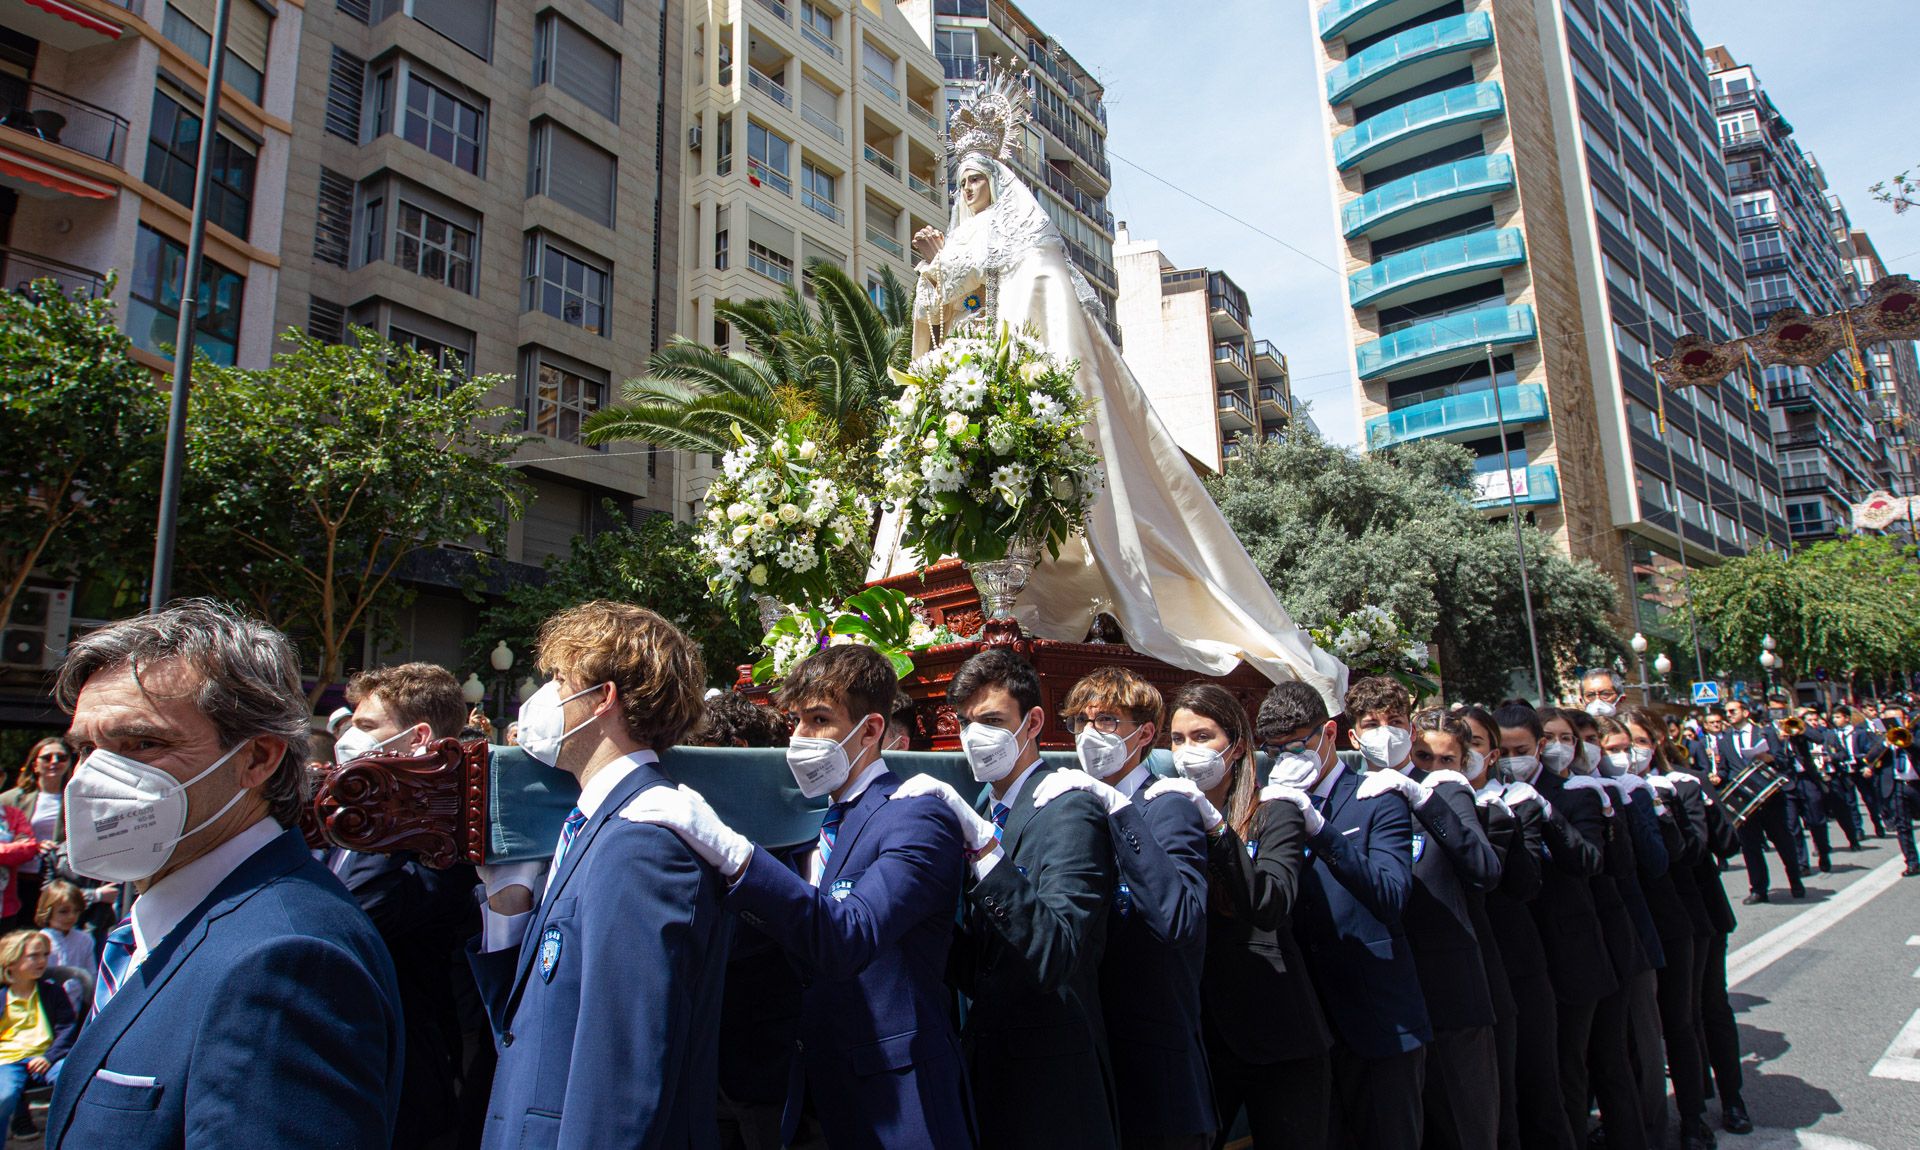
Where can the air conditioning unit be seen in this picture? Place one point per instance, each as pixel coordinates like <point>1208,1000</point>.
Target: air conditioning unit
<point>693,137</point>
<point>35,636</point>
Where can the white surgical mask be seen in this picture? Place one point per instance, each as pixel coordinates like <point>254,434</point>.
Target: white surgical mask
<point>1476,762</point>
<point>1557,756</point>
<point>1600,709</point>
<point>1617,763</point>
<point>355,743</point>
<point>1201,766</point>
<point>991,751</point>
<point>819,765</point>
<point>1593,756</point>
<point>1519,768</point>
<point>1297,769</point>
<point>125,817</point>
<point>1101,754</point>
<point>1385,747</point>
<point>541,721</point>
<point>1639,760</point>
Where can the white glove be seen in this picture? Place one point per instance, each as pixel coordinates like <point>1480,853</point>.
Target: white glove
<point>1589,783</point>
<point>497,877</point>
<point>1489,796</point>
<point>1373,784</point>
<point>1068,779</point>
<point>1274,792</point>
<point>1435,778</point>
<point>1629,784</point>
<point>1662,784</point>
<point>1210,816</point>
<point>975,831</point>
<point>686,813</point>
<point>1517,793</point>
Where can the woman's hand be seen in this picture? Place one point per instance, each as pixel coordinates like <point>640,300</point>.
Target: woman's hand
<point>927,243</point>
<point>38,1066</point>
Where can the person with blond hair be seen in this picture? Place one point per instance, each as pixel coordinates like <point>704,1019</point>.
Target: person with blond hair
<point>37,1024</point>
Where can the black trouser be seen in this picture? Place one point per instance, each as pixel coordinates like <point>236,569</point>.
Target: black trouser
<point>1843,805</point>
<point>1575,1022</point>
<point>1646,1054</point>
<point>1720,1033</point>
<point>1531,1114</point>
<point>1901,813</point>
<point>1463,1090</point>
<point>1768,824</point>
<point>1286,1102</point>
<point>1679,999</point>
<point>1807,807</point>
<point>1872,799</point>
<point>1610,1069</point>
<point>1377,1101</point>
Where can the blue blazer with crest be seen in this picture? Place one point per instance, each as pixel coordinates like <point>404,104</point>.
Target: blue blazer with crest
<point>607,1014</point>
<point>268,1017</point>
<point>878,1052</point>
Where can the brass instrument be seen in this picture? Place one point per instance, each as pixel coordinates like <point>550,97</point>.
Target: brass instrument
<point>1899,738</point>
<point>1793,726</point>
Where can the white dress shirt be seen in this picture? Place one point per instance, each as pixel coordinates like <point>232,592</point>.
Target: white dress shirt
<point>1325,787</point>
<point>168,901</point>
<point>983,866</point>
<point>816,865</point>
<point>1138,777</point>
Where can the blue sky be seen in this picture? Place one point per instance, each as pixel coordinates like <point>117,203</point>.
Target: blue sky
<point>1221,99</point>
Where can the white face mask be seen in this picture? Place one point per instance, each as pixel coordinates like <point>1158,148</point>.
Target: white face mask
<point>819,765</point>
<point>1101,754</point>
<point>1592,756</point>
<point>1202,766</point>
<point>991,751</point>
<point>1600,709</point>
<point>355,743</point>
<point>1297,769</point>
<point>125,817</point>
<point>1385,747</point>
<point>1617,763</point>
<point>1639,759</point>
<point>543,717</point>
<point>1476,763</point>
<point>1557,756</point>
<point>1519,768</point>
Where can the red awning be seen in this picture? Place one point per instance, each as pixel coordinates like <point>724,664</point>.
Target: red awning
<point>25,167</point>
<point>79,16</point>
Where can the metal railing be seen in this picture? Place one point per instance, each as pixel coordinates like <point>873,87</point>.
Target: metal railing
<point>1468,102</point>
<point>924,188</point>
<point>51,115</point>
<point>767,86</point>
<point>20,270</point>
<point>1218,302</point>
<point>1271,394</point>
<point>924,113</point>
<point>766,267</point>
<point>822,205</point>
<point>1235,402</point>
<point>823,122</point>
<point>819,40</point>
<point>963,67</point>
<point>780,10</point>
<point>885,242</point>
<point>884,83</point>
<point>1231,353</point>
<point>1265,347</point>
<point>1092,207</point>
<point>880,161</point>
<point>778,181</point>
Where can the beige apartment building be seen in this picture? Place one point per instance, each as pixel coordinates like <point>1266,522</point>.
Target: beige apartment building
<point>1189,340</point>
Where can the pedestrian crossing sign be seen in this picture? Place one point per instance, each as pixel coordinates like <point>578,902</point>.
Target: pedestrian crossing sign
<point>1706,694</point>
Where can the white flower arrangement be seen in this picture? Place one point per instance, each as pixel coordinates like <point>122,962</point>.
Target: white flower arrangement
<point>776,518</point>
<point>983,446</point>
<point>1371,641</point>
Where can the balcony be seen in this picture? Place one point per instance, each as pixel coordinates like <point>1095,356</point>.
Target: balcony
<point>1225,306</point>
<point>1236,414</point>
<point>925,190</point>
<point>50,116</point>
<point>1092,207</point>
<point>883,162</point>
<point>821,205</point>
<point>778,273</point>
<point>1813,483</point>
<point>1458,414</point>
<point>1409,58</point>
<point>819,40</point>
<point>20,271</point>
<point>1417,126</point>
<point>778,9</point>
<point>1527,486</point>
<point>1230,363</point>
<point>1424,197</point>
<point>1431,269</point>
<point>964,67</point>
<point>1274,403</point>
<point>762,176</point>
<point>1355,19</point>
<point>1758,222</point>
<point>768,87</point>
<point>884,84</point>
<point>1446,340</point>
<point>1267,361</point>
<point>924,114</point>
<point>823,122</point>
<point>879,238</point>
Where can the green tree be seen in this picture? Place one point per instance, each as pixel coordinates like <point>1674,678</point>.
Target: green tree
<point>831,361</point>
<point>653,565</point>
<point>80,428</point>
<point>309,483</point>
<point>1334,530</point>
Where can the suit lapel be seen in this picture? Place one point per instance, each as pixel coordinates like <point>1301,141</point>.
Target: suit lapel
<point>97,1038</point>
<point>865,807</point>
<point>1343,788</point>
<point>1022,812</point>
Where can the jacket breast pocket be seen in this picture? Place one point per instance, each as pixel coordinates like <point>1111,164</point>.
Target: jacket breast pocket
<point>895,1052</point>
<point>539,1130</point>
<point>121,1096</point>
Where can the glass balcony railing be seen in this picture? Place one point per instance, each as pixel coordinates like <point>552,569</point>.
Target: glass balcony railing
<point>883,85</point>
<point>1231,353</point>
<point>1500,325</point>
<point>924,188</point>
<point>1476,175</point>
<point>879,160</point>
<point>767,177</point>
<point>769,87</point>
<point>822,121</point>
<point>820,40</point>
<point>886,243</point>
<point>821,205</point>
<point>1359,71</point>
<point>1373,135</point>
<point>1336,16</point>
<point>778,9</point>
<point>1232,402</point>
<point>1467,411</point>
<point>21,270</point>
<point>1494,248</point>
<point>1527,486</point>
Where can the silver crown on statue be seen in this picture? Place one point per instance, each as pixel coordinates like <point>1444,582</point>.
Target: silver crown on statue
<point>992,116</point>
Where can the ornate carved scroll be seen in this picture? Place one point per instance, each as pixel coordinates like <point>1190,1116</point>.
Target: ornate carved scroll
<point>433,803</point>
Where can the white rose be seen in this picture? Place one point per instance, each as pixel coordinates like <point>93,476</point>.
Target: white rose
<point>808,449</point>
<point>1032,370</point>
<point>758,576</point>
<point>742,533</point>
<point>789,513</point>
<point>738,512</point>
<point>768,521</point>
<point>955,423</point>
<point>1062,487</point>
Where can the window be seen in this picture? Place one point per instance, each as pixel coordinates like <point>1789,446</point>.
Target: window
<point>566,286</point>
<point>610,7</point>
<point>445,356</point>
<point>173,149</point>
<point>1643,417</point>
<point>723,149</point>
<point>333,219</point>
<point>1683,445</point>
<point>769,263</point>
<point>1602,147</point>
<point>1613,213</point>
<point>816,24</point>
<point>326,320</point>
<point>249,26</point>
<point>468,23</point>
<point>346,81</point>
<point>432,247</point>
<point>1717,465</point>
<point>767,157</point>
<point>1654,492</point>
<point>442,123</point>
<point>817,192</point>
<point>562,400</point>
<point>373,223</point>
<point>1631,346</point>
<point>159,267</point>
<point>570,171</point>
<point>577,64</point>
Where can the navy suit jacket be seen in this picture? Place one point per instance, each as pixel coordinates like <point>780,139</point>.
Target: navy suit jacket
<point>1150,977</point>
<point>879,1055</point>
<point>1352,900</point>
<point>267,1017</point>
<point>1453,863</point>
<point>608,1012</point>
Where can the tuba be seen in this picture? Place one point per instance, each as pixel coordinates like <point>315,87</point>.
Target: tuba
<point>1899,738</point>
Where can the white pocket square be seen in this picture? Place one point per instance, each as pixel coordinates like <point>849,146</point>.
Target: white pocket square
<point>119,1079</point>
<point>1351,831</point>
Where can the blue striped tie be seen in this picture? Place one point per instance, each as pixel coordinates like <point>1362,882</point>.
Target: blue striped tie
<point>830,830</point>
<point>1000,813</point>
<point>569,831</point>
<point>114,960</point>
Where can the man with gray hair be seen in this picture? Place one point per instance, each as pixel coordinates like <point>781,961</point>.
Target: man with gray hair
<point>1599,693</point>
<point>247,999</point>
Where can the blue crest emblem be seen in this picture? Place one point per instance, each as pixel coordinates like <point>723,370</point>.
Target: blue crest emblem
<point>840,889</point>
<point>1122,899</point>
<point>1419,845</point>
<point>1253,849</point>
<point>549,953</point>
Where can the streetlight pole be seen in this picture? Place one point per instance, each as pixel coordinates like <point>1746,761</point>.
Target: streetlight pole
<point>1662,666</point>
<point>1639,645</point>
<point>1680,530</point>
<point>502,659</point>
<point>1519,536</point>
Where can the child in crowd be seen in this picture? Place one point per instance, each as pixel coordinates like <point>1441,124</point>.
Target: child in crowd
<point>37,1023</point>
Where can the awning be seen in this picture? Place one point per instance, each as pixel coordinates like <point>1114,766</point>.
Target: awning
<point>18,166</point>
<point>71,26</point>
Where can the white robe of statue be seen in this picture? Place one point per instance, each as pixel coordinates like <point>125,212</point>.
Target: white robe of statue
<point>1157,554</point>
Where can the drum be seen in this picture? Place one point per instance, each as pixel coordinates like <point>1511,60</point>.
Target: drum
<point>1751,787</point>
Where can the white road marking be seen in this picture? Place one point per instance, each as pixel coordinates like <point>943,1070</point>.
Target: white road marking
<point>1902,1059</point>
<point>1803,928</point>
<point>1915,941</point>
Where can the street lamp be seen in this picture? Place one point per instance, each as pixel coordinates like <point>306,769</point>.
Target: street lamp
<point>473,690</point>
<point>502,659</point>
<point>526,689</point>
<point>1639,645</point>
<point>1662,666</point>
<point>1768,662</point>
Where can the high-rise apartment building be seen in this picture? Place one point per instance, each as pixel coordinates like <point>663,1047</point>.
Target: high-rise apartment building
<point>1189,340</point>
<point>1532,194</point>
<point>1791,240</point>
<point>1894,369</point>
<point>1065,156</point>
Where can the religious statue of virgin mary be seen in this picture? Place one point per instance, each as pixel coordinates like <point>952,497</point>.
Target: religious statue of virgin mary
<point>1157,554</point>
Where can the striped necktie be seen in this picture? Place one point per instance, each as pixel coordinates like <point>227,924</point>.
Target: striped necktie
<point>569,831</point>
<point>1000,813</point>
<point>115,957</point>
<point>830,830</point>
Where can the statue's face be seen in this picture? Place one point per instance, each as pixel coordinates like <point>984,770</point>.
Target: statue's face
<point>976,191</point>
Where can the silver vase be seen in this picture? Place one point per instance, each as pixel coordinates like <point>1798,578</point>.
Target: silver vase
<point>771,611</point>
<point>1000,582</point>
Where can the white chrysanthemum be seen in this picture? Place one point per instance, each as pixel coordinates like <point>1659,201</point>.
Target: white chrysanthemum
<point>1046,409</point>
<point>943,473</point>
<point>965,389</point>
<point>1011,481</point>
<point>758,576</point>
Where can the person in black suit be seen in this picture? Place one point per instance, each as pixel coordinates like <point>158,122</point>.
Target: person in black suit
<point>1719,1034</point>
<point>1353,898</point>
<point>1900,791</point>
<point>1845,788</point>
<point>1453,865</point>
<point>1027,955</point>
<point>1743,742</point>
<point>1266,1039</point>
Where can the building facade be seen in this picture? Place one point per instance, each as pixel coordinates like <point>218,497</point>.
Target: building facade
<point>1189,340</point>
<point>1532,194</point>
<point>1792,238</point>
<point>1894,369</point>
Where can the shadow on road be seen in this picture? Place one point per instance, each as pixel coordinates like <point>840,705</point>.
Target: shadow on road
<point>1782,1100</point>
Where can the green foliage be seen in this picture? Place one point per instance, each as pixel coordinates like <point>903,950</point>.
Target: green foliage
<point>879,617</point>
<point>1846,605</point>
<point>80,443</point>
<point>654,565</point>
<point>1334,530</point>
<point>311,481</point>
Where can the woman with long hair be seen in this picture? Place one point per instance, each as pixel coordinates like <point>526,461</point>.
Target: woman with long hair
<point>1267,1041</point>
<point>36,795</point>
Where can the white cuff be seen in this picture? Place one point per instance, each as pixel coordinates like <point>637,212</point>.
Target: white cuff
<point>501,931</point>
<point>983,866</point>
